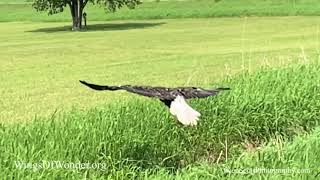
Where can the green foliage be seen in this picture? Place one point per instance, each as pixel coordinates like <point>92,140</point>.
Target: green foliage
<point>57,6</point>
<point>52,6</point>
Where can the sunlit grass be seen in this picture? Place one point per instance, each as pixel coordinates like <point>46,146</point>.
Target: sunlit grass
<point>138,136</point>
<point>170,9</point>
<point>253,125</point>
<point>41,64</point>
<point>296,159</point>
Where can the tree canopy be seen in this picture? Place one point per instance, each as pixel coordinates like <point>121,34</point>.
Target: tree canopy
<point>77,7</point>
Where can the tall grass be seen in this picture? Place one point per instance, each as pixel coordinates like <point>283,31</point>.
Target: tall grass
<point>138,136</point>
<point>297,159</point>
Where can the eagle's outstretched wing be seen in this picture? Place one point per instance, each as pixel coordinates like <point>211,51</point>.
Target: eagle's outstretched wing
<point>174,98</point>
<point>162,93</point>
<point>158,92</point>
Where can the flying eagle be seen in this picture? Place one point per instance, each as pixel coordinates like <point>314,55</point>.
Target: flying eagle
<point>174,98</point>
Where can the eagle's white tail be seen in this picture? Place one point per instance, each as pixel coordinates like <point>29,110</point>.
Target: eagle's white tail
<point>185,114</point>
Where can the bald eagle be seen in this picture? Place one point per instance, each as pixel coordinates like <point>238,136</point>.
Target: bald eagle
<point>174,98</point>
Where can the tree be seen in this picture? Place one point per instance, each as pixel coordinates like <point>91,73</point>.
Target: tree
<point>77,7</point>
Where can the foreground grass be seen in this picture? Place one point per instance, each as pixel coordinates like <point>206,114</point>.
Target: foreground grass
<point>297,159</point>
<point>172,9</point>
<point>139,136</point>
<point>41,63</point>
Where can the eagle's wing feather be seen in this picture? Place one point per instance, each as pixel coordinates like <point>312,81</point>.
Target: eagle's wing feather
<point>146,91</point>
<point>158,92</point>
<point>189,93</point>
<point>101,87</point>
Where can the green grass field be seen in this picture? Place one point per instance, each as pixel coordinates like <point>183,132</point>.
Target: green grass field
<point>138,137</point>
<point>270,118</point>
<point>172,9</point>
<point>41,63</point>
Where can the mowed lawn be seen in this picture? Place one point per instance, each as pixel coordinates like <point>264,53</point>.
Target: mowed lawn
<point>41,63</point>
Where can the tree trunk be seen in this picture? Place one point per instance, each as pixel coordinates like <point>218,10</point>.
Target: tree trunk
<point>76,8</point>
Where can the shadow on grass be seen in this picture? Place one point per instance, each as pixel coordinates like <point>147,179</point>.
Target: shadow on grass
<point>99,27</point>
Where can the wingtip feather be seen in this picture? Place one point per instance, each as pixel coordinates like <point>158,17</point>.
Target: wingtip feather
<point>223,88</point>
<point>83,82</point>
